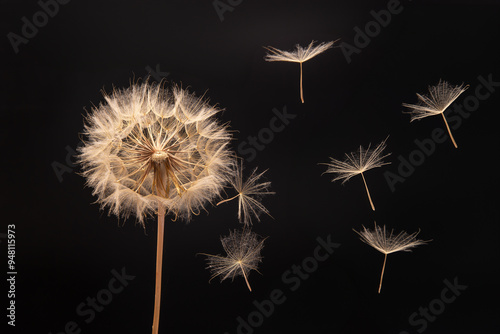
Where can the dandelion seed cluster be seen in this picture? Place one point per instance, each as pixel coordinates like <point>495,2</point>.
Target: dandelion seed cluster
<point>150,148</point>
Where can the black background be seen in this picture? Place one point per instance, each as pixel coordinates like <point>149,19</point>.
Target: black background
<point>66,247</point>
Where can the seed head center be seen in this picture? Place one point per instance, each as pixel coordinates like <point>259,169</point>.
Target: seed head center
<point>159,156</point>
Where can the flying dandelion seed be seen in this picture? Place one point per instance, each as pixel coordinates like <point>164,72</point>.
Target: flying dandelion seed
<point>243,255</point>
<point>152,150</point>
<point>358,162</point>
<point>300,55</point>
<point>249,194</point>
<point>389,243</point>
<point>439,98</point>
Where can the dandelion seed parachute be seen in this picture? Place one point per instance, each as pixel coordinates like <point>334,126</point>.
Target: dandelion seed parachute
<point>358,162</point>
<point>440,97</point>
<point>299,55</point>
<point>249,194</point>
<point>388,243</point>
<point>243,255</point>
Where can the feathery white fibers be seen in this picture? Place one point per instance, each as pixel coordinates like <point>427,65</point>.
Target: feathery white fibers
<point>389,243</point>
<point>300,54</point>
<point>358,162</point>
<point>149,148</point>
<point>243,255</point>
<point>249,194</point>
<point>439,98</point>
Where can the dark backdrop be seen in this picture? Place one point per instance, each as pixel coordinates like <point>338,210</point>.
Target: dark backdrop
<point>66,249</point>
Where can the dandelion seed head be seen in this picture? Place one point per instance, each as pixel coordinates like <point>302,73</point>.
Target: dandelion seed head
<point>148,147</point>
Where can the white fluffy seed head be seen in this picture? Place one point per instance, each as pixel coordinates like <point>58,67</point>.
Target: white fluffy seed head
<point>148,147</point>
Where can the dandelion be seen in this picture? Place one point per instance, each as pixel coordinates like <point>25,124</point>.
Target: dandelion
<point>249,194</point>
<point>439,98</point>
<point>300,55</point>
<point>389,243</point>
<point>153,150</point>
<point>243,255</point>
<point>358,162</point>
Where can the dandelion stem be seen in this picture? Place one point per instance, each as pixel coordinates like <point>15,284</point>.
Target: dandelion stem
<point>301,93</point>
<point>227,200</point>
<point>382,275</point>
<point>368,192</point>
<point>159,261</point>
<point>246,279</point>
<point>449,131</point>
